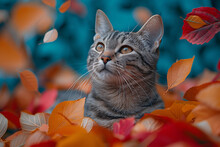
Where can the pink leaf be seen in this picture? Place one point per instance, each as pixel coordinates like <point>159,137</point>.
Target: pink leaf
<point>123,128</point>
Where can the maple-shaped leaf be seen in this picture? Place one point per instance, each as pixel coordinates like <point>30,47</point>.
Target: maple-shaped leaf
<point>201,25</point>
<point>66,113</point>
<point>178,72</point>
<point>123,128</point>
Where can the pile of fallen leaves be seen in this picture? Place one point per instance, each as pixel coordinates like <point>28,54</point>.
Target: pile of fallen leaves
<point>192,107</point>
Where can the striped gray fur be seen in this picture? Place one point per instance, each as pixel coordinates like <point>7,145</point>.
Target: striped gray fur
<point>125,85</point>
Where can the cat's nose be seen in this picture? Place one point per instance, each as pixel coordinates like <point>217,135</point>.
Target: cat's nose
<point>105,59</point>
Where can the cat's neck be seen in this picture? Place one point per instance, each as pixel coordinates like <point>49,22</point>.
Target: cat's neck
<point>130,96</point>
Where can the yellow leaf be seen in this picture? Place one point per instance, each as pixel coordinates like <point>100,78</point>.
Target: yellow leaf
<point>30,123</point>
<point>65,114</point>
<point>82,139</point>
<point>51,3</point>
<point>3,125</point>
<point>50,36</point>
<point>29,80</point>
<point>178,72</point>
<point>65,6</point>
<point>195,21</point>
<point>210,96</point>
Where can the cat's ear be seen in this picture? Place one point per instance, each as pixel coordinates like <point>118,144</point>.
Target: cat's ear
<point>102,24</point>
<point>153,30</point>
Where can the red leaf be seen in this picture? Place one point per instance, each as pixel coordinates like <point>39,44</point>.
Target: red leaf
<point>123,128</point>
<point>49,143</point>
<point>12,117</point>
<point>218,66</point>
<point>211,16</point>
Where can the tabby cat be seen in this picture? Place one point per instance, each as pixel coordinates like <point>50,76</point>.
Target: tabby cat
<point>123,70</point>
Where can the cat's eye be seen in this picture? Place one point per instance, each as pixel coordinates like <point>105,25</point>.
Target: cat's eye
<point>126,49</point>
<point>100,47</point>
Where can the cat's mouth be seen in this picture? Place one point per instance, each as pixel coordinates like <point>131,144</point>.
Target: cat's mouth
<point>105,69</point>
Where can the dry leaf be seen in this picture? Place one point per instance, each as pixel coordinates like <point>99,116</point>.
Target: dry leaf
<point>3,125</point>
<point>65,114</point>
<point>29,80</point>
<point>51,3</point>
<point>50,36</point>
<point>88,123</point>
<point>19,140</point>
<point>65,6</point>
<point>210,96</point>
<point>195,21</point>
<point>35,138</point>
<point>30,123</point>
<point>178,72</point>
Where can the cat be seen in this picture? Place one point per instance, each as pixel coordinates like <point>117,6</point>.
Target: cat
<point>122,67</point>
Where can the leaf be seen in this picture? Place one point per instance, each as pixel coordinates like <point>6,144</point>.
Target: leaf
<point>195,21</point>
<point>65,6</point>
<point>88,124</point>
<point>4,96</point>
<point>142,14</point>
<point>123,128</point>
<point>12,57</point>
<point>9,138</point>
<point>3,125</point>
<point>178,72</point>
<point>29,80</point>
<point>179,110</point>
<point>51,3</point>
<point>168,97</point>
<point>19,140</point>
<point>49,143</point>
<point>210,96</point>
<point>46,100</point>
<point>50,36</point>
<point>191,93</point>
<point>65,114</point>
<point>30,123</point>
<point>12,118</point>
<point>82,139</point>
<point>69,130</point>
<point>30,17</point>
<point>200,33</point>
<point>218,66</point>
<point>78,8</point>
<point>36,137</point>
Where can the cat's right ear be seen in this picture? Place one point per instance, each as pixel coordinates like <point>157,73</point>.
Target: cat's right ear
<point>102,24</point>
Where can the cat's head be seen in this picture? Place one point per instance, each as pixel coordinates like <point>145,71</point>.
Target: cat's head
<point>116,56</point>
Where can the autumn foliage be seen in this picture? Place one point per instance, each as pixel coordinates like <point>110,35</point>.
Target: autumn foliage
<point>191,116</point>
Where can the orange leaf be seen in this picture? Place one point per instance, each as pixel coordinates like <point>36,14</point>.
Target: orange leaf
<point>30,123</point>
<point>3,125</point>
<point>69,130</point>
<point>65,114</point>
<point>142,14</point>
<point>4,96</point>
<point>50,36</point>
<point>30,17</point>
<point>82,139</point>
<point>177,110</point>
<point>168,97</point>
<point>191,93</point>
<point>195,21</point>
<point>65,6</point>
<point>210,96</point>
<point>12,56</point>
<point>178,72</point>
<point>51,3</point>
<point>29,80</point>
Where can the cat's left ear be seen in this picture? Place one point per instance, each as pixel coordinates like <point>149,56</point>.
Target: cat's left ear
<point>153,31</point>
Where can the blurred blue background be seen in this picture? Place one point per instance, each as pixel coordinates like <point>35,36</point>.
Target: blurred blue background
<point>76,33</point>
